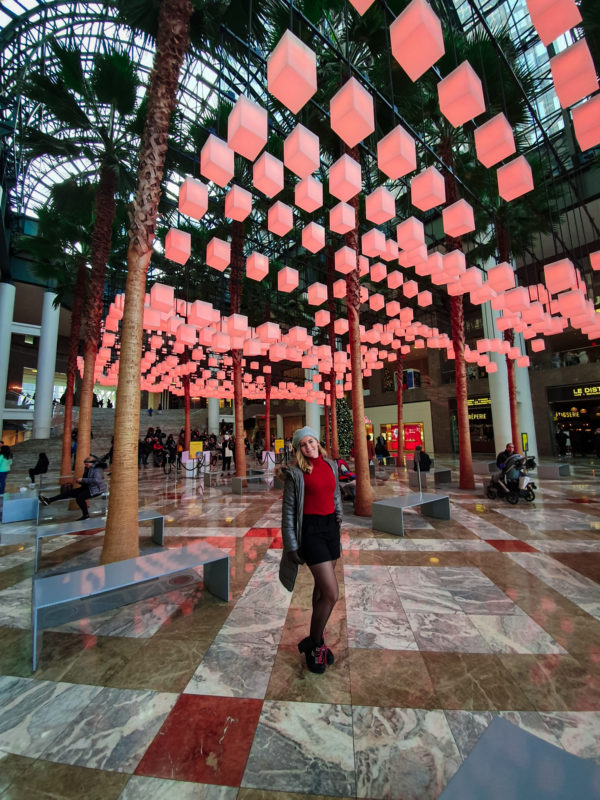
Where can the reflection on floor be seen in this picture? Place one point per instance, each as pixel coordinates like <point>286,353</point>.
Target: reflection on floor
<point>496,612</point>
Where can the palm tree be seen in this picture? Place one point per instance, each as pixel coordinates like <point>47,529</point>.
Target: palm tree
<point>92,115</point>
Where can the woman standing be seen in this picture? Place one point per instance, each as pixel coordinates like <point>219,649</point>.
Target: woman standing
<point>5,465</point>
<point>310,525</point>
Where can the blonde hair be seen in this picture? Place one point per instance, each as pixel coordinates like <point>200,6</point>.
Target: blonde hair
<point>303,463</point>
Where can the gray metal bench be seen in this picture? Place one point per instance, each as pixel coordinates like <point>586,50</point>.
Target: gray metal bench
<point>388,514</point>
<point>484,467</point>
<point>211,479</point>
<point>439,476</point>
<point>60,528</point>
<point>19,506</point>
<point>56,599</point>
<point>241,482</point>
<point>553,471</point>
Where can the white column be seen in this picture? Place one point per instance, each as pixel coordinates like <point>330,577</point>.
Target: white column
<point>7,307</point>
<point>46,365</point>
<point>279,424</point>
<point>524,404</point>
<point>213,415</point>
<point>498,383</point>
<point>313,416</point>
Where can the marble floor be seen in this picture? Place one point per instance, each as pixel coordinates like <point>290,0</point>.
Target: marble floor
<point>496,612</point>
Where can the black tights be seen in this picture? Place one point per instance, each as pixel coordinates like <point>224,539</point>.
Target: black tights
<point>325,596</point>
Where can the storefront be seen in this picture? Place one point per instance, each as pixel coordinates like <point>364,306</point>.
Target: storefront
<point>417,428</point>
<point>481,425</point>
<point>576,411</point>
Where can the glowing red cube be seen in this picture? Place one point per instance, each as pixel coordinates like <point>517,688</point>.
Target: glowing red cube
<point>494,140</point>
<point>595,260</point>
<point>559,276</point>
<point>351,113</point>
<point>238,203</point>
<point>410,289</point>
<point>345,178</point>
<point>396,153</point>
<point>313,237</point>
<point>586,121</point>
<point>394,279</point>
<point>376,302</point>
<point>317,294</point>
<point>372,243</point>
<point>458,218</point>
<point>193,198</point>
<point>218,254</point>
<point>514,179</point>
<point>162,298</point>
<point>501,277</point>
<point>342,218</point>
<point>287,279</point>
<point>247,128</point>
<point>392,309</point>
<point>361,5</point>
<point>301,151</point>
<point>178,245</point>
<point>339,288</point>
<point>410,234</point>
<point>461,95</point>
<point>292,72</point>
<point>280,218</point>
<point>345,261</point>
<point>216,161</point>
<point>267,175</point>
<point>380,206</point>
<point>378,272</point>
<point>417,38</point>
<point>574,74</point>
<point>340,326</point>
<point>424,299</point>
<point>308,194</point>
<point>322,318</point>
<point>427,189</point>
<point>257,266</point>
<point>552,18</point>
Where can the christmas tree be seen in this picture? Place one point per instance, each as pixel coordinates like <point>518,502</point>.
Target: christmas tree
<point>344,426</point>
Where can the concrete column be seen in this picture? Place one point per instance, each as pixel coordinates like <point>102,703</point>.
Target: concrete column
<point>279,424</point>
<point>313,416</point>
<point>7,307</point>
<point>213,415</point>
<point>46,365</point>
<point>524,404</point>
<point>498,382</point>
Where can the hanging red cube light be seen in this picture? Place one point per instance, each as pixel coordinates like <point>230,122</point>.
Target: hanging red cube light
<point>342,218</point>
<point>322,318</point>
<point>193,198</point>
<point>552,18</point>
<point>280,218</point>
<point>301,151</point>
<point>351,113</point>
<point>247,128</point>
<point>178,245</point>
<point>218,254</point>
<point>460,95</point>
<point>339,288</point>
<point>410,233</point>
<point>424,299</point>
<point>574,74</point>
<point>308,194</point>
<point>514,179</point>
<point>501,277</point>
<point>345,178</point>
<point>396,153</point>
<point>378,272</point>
<point>376,302</point>
<point>417,38</point>
<point>427,189</point>
<point>216,161</point>
<point>267,175</point>
<point>586,121</point>
<point>345,261</point>
<point>394,279</point>
<point>458,218</point>
<point>313,237</point>
<point>361,5</point>
<point>340,326</point>
<point>287,279</point>
<point>380,206</point>
<point>317,294</point>
<point>410,289</point>
<point>372,243</point>
<point>595,260</point>
<point>162,298</point>
<point>494,140</point>
<point>238,203</point>
<point>292,72</point>
<point>257,266</point>
<point>559,276</point>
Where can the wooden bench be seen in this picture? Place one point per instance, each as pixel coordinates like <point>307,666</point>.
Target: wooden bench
<point>57,599</point>
<point>240,482</point>
<point>80,526</point>
<point>554,471</point>
<point>439,476</point>
<point>388,514</point>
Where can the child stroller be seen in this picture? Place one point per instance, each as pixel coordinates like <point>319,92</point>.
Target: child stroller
<point>512,481</point>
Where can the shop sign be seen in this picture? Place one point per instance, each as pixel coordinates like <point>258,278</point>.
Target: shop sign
<point>413,435</point>
<point>564,393</point>
<point>478,401</point>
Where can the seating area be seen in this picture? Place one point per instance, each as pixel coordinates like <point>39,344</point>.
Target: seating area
<point>388,514</point>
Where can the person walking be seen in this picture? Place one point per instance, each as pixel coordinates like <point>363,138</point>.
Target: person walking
<point>5,465</point>
<point>226,455</point>
<point>311,516</point>
<point>92,484</point>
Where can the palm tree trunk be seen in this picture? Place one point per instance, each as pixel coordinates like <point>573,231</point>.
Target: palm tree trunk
<point>335,445</point>
<point>121,538</point>
<point>400,407</point>
<point>465,457</point>
<point>100,251</point>
<point>268,411</point>
<point>76,314</point>
<point>364,492</point>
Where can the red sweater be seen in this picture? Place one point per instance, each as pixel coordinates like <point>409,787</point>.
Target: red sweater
<point>319,487</point>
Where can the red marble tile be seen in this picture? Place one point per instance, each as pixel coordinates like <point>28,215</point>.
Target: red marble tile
<point>204,740</point>
<point>263,532</point>
<point>511,546</point>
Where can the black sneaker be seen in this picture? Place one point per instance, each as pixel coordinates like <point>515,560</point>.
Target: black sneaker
<point>80,519</point>
<point>44,500</point>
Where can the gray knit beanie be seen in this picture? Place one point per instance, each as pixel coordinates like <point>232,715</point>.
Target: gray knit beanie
<point>301,433</point>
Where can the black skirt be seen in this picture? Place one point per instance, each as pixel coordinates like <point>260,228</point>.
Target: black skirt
<point>320,538</point>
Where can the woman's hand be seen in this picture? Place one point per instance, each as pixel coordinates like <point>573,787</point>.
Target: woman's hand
<point>295,557</point>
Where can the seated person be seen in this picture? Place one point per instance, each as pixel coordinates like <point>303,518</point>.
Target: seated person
<point>344,473</point>
<point>421,460</point>
<point>41,467</point>
<point>92,484</point>
<point>503,456</point>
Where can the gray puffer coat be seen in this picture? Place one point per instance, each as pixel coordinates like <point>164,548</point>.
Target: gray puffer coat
<point>292,512</point>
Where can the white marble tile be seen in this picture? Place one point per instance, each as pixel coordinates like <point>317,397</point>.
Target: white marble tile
<point>231,669</point>
<point>577,731</point>
<point>379,630</point>
<point>480,524</point>
<point>142,788</point>
<point>514,634</point>
<point>453,633</point>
